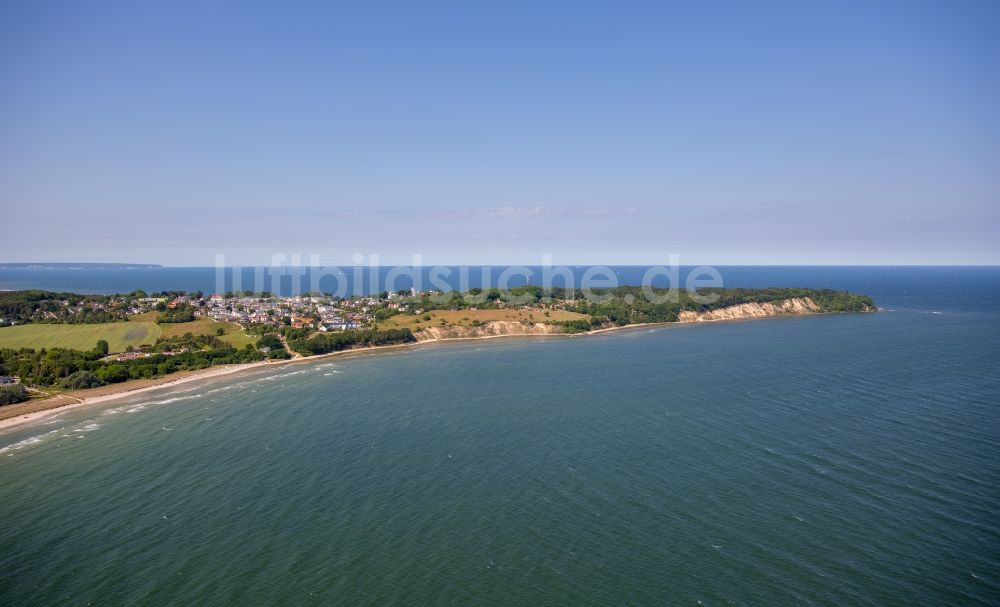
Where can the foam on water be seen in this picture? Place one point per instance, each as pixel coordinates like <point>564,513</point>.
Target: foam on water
<point>27,442</point>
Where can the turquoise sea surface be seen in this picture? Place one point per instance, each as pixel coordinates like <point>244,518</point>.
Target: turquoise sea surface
<point>828,460</point>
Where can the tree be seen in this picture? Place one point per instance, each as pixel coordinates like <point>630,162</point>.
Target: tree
<point>112,373</point>
<point>102,347</point>
<point>220,331</point>
<point>81,380</point>
<point>13,394</point>
<point>270,341</point>
<point>182,313</point>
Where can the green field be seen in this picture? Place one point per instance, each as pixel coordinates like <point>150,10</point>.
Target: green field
<point>233,333</point>
<point>119,335</point>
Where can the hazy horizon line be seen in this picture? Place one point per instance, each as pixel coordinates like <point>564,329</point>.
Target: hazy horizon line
<point>153,265</point>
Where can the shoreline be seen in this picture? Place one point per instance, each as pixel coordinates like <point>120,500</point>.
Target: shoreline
<point>23,413</point>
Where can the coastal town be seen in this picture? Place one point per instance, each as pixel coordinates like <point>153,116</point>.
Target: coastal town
<point>253,312</point>
<point>52,341</point>
<point>322,313</point>
<point>260,313</point>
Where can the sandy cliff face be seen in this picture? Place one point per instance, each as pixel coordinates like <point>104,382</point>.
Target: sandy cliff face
<point>490,329</point>
<point>798,305</point>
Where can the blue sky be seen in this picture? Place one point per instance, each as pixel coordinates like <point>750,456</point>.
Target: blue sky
<point>757,133</point>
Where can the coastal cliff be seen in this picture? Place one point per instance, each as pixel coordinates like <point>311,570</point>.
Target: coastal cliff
<point>495,328</point>
<point>797,306</point>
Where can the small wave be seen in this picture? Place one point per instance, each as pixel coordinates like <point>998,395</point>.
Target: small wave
<point>166,401</point>
<point>21,444</point>
<point>289,374</point>
<point>175,399</point>
<point>89,427</point>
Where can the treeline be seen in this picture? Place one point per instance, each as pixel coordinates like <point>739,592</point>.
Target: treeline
<point>842,301</point>
<point>488,298</point>
<point>322,343</point>
<point>181,313</point>
<point>631,305</point>
<point>79,369</point>
<point>577,326</point>
<point>827,299</point>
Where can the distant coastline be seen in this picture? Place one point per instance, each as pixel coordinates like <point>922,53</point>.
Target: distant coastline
<point>77,266</point>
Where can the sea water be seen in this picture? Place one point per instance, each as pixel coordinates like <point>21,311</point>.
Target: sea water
<point>829,460</point>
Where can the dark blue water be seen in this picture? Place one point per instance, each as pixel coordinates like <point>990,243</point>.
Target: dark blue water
<point>831,460</point>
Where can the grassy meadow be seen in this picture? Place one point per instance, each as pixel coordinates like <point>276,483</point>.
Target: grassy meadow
<point>465,318</point>
<point>119,335</point>
<point>234,334</point>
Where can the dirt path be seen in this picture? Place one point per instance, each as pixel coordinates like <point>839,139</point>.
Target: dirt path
<point>284,343</point>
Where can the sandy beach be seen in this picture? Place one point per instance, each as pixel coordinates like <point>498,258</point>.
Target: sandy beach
<point>21,413</point>
<point>12,415</point>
